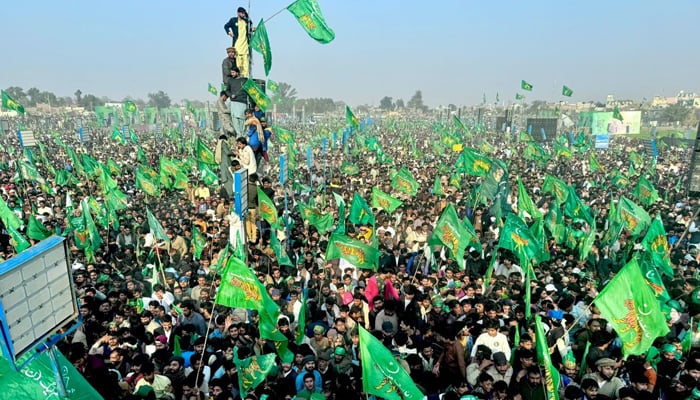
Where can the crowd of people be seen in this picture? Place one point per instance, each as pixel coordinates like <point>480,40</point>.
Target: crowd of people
<point>151,326</point>
<point>456,333</point>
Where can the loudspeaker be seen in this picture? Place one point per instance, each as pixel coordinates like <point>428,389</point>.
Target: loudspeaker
<point>535,126</point>
<point>694,185</point>
<point>261,84</point>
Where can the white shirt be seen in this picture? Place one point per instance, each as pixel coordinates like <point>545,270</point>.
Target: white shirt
<point>495,343</point>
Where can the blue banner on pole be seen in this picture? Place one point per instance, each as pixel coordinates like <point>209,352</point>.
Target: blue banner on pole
<point>80,135</point>
<point>309,156</point>
<point>283,170</point>
<point>325,144</point>
<point>19,136</point>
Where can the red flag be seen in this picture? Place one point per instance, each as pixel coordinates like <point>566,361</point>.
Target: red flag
<point>390,292</point>
<point>371,290</point>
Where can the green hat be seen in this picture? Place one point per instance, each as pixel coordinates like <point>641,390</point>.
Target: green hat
<point>340,351</point>
<point>668,348</point>
<point>144,391</point>
<point>695,394</point>
<point>675,305</point>
<point>569,361</point>
<point>319,329</point>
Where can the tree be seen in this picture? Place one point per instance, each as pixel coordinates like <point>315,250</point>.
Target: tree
<point>90,101</point>
<point>399,104</point>
<point>159,99</point>
<point>285,97</point>
<point>675,113</point>
<point>33,95</point>
<point>78,95</point>
<point>386,103</point>
<point>416,102</point>
<point>536,107</point>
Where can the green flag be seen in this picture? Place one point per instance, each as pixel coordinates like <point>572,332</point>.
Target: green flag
<point>28,172</point>
<point>519,96</point>
<point>267,210</point>
<point>551,375</point>
<point>19,242</point>
<point>575,209</point>
<point>199,242</point>
<point>146,183</point>
<point>593,163</point>
<point>653,278</point>
<point>557,187</point>
<point>9,103</point>
<point>259,97</point>
<point>261,43</point>
<point>322,222</point>
<point>353,251</point>
<point>9,218</point>
<point>351,119</point>
<point>129,107</point>
<point>450,233</point>
<point>526,204</point>
<point>36,230</point>
<point>384,201</point>
<point>204,153</point>
<point>587,244</point>
<point>516,237</point>
<point>617,114</point>
<point>301,325</point>
<point>156,227</point>
<point>404,182</point>
<point>207,174</point>
<point>630,307</point>
<point>280,252</point>
<point>360,212</point>
<point>437,186</point>
<point>252,371</point>
<point>309,15</point>
<point>645,192</point>
<point>633,217</point>
<point>566,91</point>
<point>93,233</point>
<point>382,375</point>
<point>349,169</point>
<point>656,244</point>
<point>284,135</point>
<point>473,163</point>
<point>340,202</point>
<point>212,90</point>
<point>118,136</point>
<point>241,288</point>
<point>272,85</point>
<point>525,86</point>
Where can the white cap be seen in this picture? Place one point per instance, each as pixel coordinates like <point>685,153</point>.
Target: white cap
<point>576,271</point>
<point>550,288</point>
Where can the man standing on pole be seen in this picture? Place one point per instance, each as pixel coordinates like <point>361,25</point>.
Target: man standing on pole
<point>238,100</point>
<point>239,28</point>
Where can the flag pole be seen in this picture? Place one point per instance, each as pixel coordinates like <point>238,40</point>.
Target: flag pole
<point>685,232</point>
<point>274,15</point>
<point>206,337</point>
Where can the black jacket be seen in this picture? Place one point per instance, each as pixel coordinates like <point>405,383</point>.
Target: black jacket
<point>232,25</point>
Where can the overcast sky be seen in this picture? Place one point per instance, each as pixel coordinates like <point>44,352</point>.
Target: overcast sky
<point>454,51</point>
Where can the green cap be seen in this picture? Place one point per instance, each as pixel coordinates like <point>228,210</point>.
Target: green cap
<point>668,348</point>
